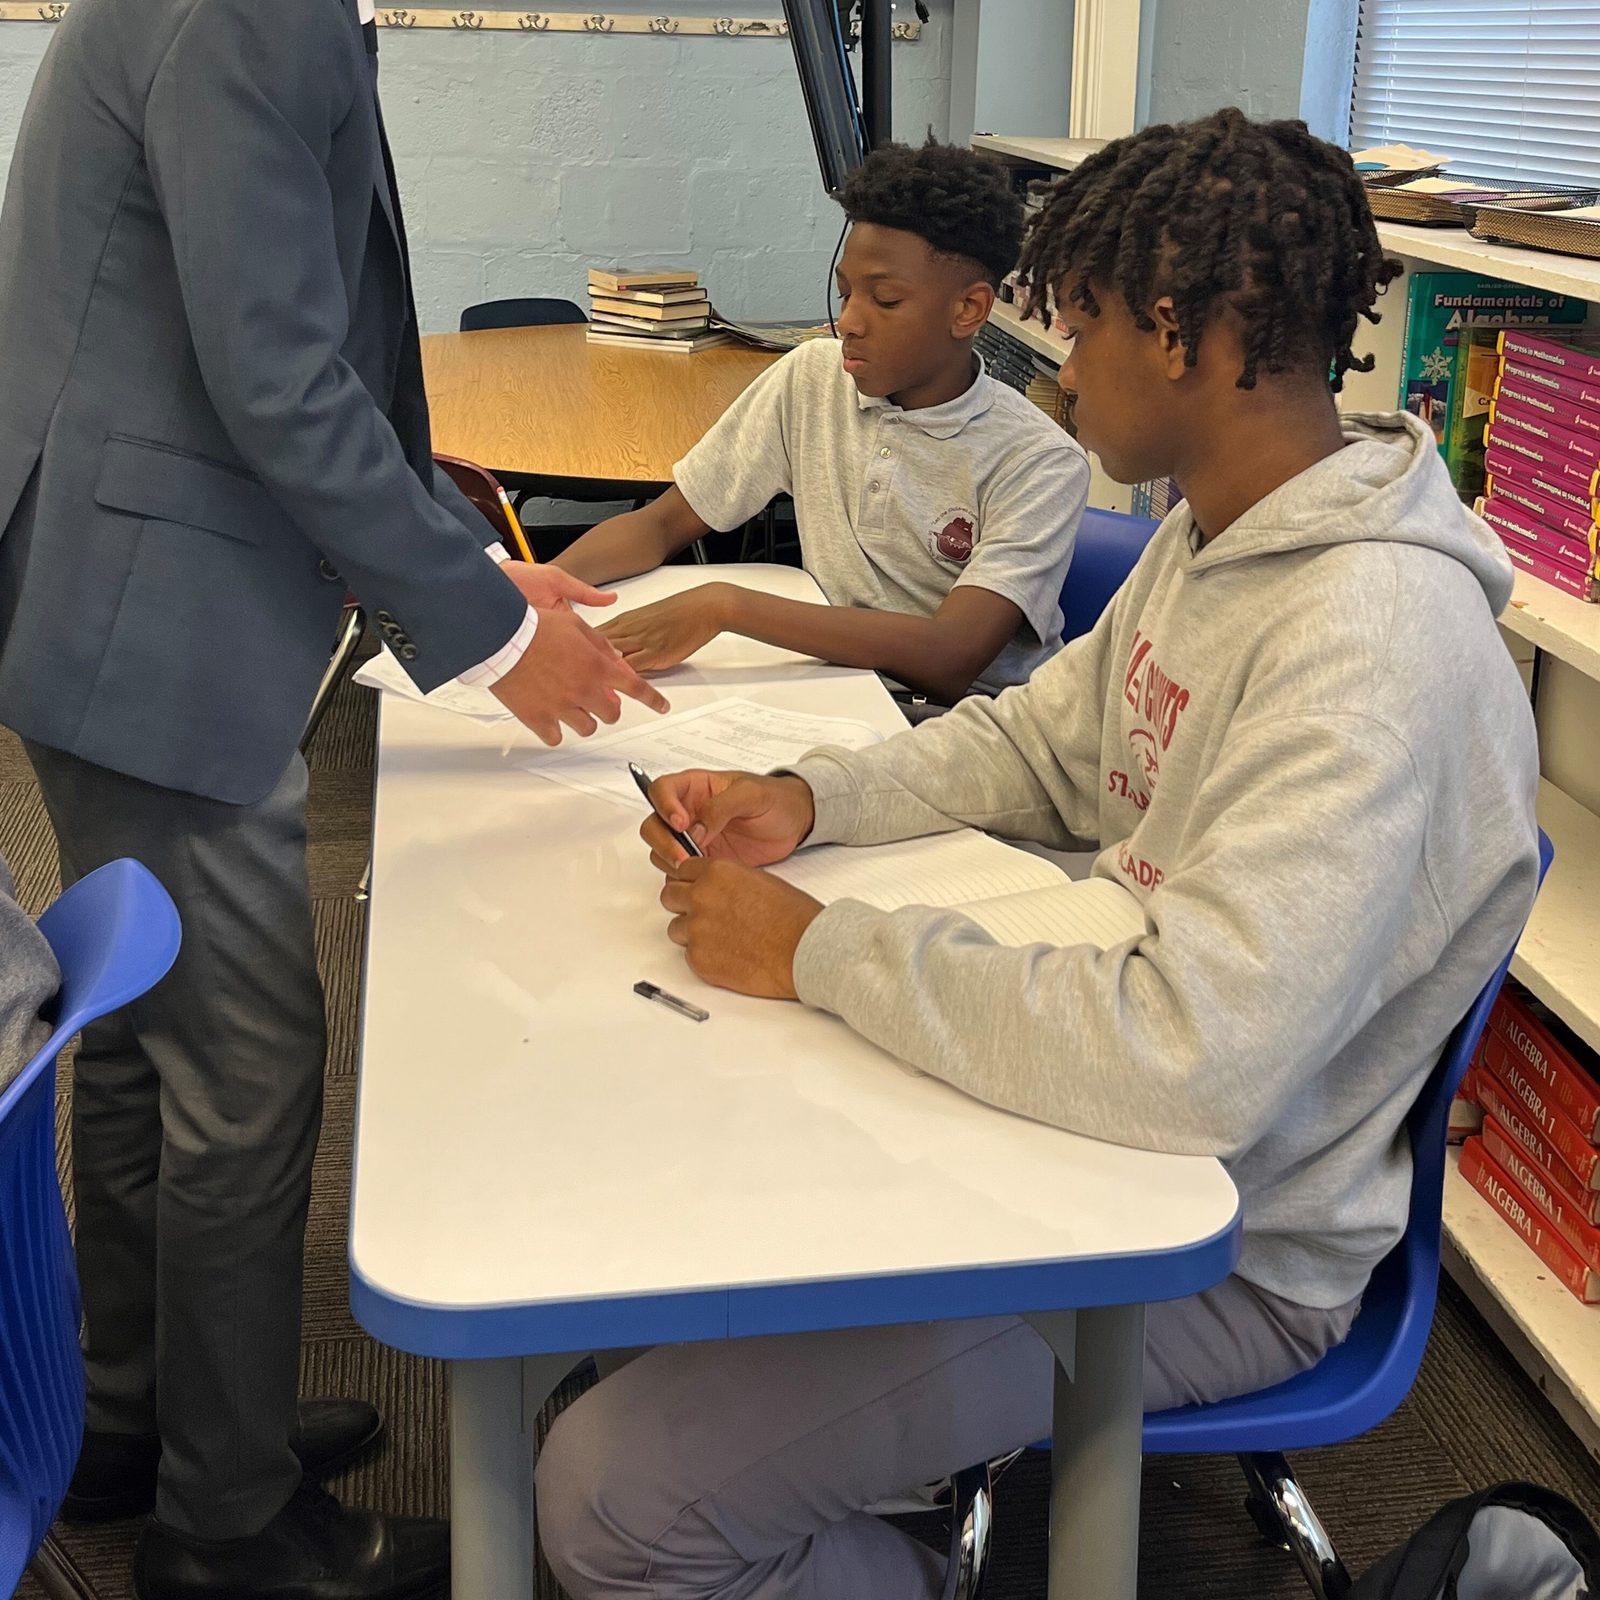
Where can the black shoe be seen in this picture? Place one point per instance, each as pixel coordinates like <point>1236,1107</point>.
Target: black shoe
<point>116,1472</point>
<point>314,1549</point>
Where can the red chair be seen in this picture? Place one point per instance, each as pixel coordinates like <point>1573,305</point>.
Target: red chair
<point>484,491</point>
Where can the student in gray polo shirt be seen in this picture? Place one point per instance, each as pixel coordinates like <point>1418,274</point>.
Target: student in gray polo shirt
<point>937,508</point>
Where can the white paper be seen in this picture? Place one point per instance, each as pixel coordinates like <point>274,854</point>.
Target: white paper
<point>727,735</point>
<point>1016,898</point>
<point>1095,911</point>
<point>944,869</point>
<point>384,673</point>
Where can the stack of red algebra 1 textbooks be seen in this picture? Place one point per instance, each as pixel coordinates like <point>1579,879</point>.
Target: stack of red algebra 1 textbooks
<point>1541,490</point>
<point>655,308</point>
<point>1536,1155</point>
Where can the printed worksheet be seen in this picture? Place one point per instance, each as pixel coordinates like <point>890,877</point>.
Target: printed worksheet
<point>727,735</point>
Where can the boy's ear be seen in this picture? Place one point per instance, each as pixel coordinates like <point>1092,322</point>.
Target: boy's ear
<point>972,309</point>
<point>1173,354</point>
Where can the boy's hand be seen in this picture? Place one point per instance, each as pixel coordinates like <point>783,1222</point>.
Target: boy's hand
<point>732,816</point>
<point>661,635</point>
<point>738,926</point>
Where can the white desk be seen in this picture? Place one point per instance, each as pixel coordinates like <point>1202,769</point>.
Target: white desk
<point>547,1165</point>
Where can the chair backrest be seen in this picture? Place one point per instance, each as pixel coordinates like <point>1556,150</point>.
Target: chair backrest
<point>1429,1124</point>
<point>1109,544</point>
<point>1359,1384</point>
<point>483,489</point>
<point>115,934</point>
<point>532,313</point>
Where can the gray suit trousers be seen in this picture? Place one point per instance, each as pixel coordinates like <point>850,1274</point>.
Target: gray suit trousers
<point>196,1112</point>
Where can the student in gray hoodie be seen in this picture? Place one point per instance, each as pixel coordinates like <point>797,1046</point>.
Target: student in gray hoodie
<point>1295,736</point>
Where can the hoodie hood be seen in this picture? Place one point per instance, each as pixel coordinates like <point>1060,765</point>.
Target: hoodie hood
<point>1388,485</point>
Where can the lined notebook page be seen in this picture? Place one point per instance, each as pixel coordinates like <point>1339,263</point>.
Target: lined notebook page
<point>1095,911</point>
<point>947,869</point>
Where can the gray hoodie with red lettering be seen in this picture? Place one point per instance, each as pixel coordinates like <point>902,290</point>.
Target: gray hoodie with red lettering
<point>1306,749</point>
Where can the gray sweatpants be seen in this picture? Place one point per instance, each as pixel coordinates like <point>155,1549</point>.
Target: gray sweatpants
<point>740,1470</point>
<point>195,1116</point>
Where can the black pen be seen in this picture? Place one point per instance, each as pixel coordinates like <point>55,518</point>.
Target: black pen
<point>651,991</point>
<point>684,842</point>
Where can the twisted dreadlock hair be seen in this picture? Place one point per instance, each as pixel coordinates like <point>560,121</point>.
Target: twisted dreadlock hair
<point>1259,216</point>
<point>959,203</point>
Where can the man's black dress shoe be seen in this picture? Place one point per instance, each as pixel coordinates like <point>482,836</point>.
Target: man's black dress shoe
<point>314,1549</point>
<point>116,1472</point>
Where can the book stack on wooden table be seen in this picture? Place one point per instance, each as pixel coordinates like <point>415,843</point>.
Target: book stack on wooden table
<point>663,309</point>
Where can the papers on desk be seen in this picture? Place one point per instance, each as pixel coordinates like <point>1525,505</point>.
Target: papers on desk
<point>734,735</point>
<point>384,673</point>
<point>1016,898</point>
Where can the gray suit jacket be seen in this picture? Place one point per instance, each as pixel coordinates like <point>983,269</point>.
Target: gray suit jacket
<point>211,415</point>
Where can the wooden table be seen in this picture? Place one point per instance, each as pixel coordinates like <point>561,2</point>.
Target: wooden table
<point>543,404</point>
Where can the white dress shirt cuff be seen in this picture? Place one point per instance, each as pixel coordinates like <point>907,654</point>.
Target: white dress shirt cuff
<point>511,652</point>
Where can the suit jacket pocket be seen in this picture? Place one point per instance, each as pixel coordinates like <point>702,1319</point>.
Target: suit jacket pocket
<point>157,481</point>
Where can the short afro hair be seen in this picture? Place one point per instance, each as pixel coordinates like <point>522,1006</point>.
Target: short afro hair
<point>1261,217</point>
<point>958,202</point>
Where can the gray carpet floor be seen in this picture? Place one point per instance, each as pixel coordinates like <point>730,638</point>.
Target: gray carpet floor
<point>1472,1420</point>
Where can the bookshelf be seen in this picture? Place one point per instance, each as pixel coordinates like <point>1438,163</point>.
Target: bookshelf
<point>1038,338</point>
<point>1557,623</point>
<point>1060,154</point>
<point>1552,1334</point>
<point>1457,249</point>
<point>1554,1337</point>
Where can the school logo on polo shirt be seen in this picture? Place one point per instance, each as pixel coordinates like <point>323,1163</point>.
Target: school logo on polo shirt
<point>954,535</point>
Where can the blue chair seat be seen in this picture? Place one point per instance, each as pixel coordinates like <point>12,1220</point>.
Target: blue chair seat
<point>114,934</point>
<point>1109,543</point>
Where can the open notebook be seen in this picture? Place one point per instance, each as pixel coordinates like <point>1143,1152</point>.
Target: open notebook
<point>1017,898</point>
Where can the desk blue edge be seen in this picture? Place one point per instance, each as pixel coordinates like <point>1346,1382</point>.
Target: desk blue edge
<point>488,1332</point>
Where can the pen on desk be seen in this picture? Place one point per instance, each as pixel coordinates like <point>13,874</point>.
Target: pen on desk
<point>651,991</point>
<point>682,840</point>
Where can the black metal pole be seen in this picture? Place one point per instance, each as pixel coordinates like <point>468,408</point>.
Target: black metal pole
<point>877,94</point>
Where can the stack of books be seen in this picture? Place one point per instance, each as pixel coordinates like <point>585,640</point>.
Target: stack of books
<point>1156,498</point>
<point>650,309</point>
<point>1536,1156</point>
<point>1573,231</point>
<point>1455,202</point>
<point>1542,459</point>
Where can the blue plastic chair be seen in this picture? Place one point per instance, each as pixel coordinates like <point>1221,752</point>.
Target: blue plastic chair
<point>115,935</point>
<point>1363,1381</point>
<point>1109,543</point>
<point>1356,1386</point>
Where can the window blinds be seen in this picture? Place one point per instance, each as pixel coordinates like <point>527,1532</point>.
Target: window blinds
<point>1509,88</point>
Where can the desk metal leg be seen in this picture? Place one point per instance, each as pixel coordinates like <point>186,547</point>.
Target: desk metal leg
<point>493,1408</point>
<point>1096,1454</point>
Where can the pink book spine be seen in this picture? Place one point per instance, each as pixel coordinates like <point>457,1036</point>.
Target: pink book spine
<point>1529,350</point>
<point>1549,542</point>
<point>1555,465</point>
<point>1503,463</point>
<point>1555,408</point>
<point>1555,438</point>
<point>1579,391</point>
<point>1560,516</point>
<point>1556,573</point>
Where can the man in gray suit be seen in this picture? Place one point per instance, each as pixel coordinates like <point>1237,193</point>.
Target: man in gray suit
<point>212,424</point>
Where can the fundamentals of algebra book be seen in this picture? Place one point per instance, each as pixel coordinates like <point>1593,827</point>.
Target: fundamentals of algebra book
<point>1439,306</point>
